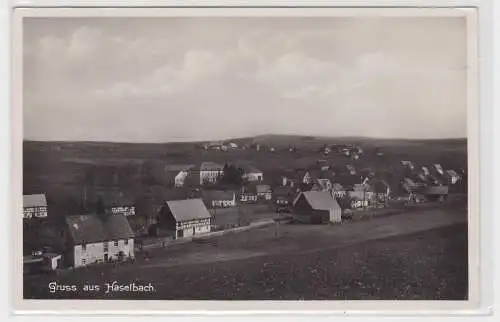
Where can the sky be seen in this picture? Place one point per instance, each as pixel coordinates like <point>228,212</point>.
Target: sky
<point>210,78</point>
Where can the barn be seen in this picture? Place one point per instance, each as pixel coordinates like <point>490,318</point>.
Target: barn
<point>316,207</point>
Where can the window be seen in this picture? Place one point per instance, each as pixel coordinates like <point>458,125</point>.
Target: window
<point>126,241</point>
<point>116,243</point>
<point>83,261</point>
<point>106,246</point>
<point>84,247</point>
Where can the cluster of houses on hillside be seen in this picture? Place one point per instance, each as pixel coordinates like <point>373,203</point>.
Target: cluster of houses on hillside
<point>319,194</point>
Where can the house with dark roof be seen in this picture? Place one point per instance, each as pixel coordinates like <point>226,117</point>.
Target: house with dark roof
<point>219,198</point>
<point>316,207</point>
<point>248,194</point>
<point>35,206</point>
<point>98,238</point>
<point>338,191</point>
<point>251,173</point>
<point>184,218</point>
<point>116,202</point>
<point>322,184</point>
<point>264,191</point>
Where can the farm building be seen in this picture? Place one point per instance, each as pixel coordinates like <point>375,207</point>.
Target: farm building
<point>116,202</point>
<point>251,173</point>
<point>338,191</point>
<point>210,172</point>
<point>316,207</point>
<point>35,206</point>
<point>436,192</point>
<point>452,176</point>
<point>219,198</point>
<point>264,191</point>
<point>184,218</point>
<point>96,239</point>
<point>248,195</point>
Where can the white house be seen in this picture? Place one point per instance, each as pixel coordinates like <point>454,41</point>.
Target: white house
<point>180,178</point>
<point>264,191</point>
<point>210,172</point>
<point>219,198</point>
<point>34,206</point>
<point>96,239</point>
<point>338,191</point>
<point>251,173</point>
<point>438,168</point>
<point>453,176</point>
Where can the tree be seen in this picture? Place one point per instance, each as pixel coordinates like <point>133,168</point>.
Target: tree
<point>231,175</point>
<point>100,209</point>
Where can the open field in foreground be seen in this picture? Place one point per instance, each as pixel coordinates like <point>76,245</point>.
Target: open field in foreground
<point>416,256</point>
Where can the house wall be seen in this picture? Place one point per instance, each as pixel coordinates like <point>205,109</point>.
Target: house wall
<point>265,195</point>
<point>255,176</point>
<point>335,215</point>
<point>37,212</point>
<point>123,210</point>
<point>180,178</point>
<point>223,203</point>
<point>95,252</point>
<point>91,254</point>
<point>248,198</point>
<point>209,175</point>
<point>192,228</point>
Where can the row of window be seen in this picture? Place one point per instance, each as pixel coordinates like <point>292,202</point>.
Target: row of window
<point>106,245</point>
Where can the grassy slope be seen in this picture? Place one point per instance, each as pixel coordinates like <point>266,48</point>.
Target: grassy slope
<point>421,266</point>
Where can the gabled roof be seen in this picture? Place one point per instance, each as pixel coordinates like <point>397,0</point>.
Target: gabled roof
<point>188,209</point>
<point>91,228</point>
<point>37,200</point>
<point>320,200</point>
<point>211,166</point>
<point>248,168</point>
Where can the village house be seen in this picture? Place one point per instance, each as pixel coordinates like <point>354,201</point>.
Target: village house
<point>438,168</point>
<point>408,164</point>
<point>283,195</point>
<point>316,207</point>
<point>117,203</point>
<point>251,174</point>
<point>248,194</point>
<point>338,191</point>
<point>264,191</point>
<point>436,192</point>
<point>184,218</point>
<point>181,176</point>
<point>35,206</point>
<point>210,172</point>
<point>97,238</point>
<point>321,184</point>
<point>219,198</point>
<point>452,176</point>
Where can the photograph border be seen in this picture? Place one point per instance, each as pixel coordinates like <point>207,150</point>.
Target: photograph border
<point>472,306</point>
